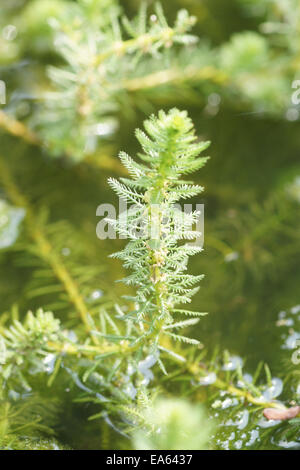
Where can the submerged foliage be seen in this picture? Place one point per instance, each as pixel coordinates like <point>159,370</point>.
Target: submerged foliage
<point>100,364</point>
<point>87,93</point>
<point>112,361</point>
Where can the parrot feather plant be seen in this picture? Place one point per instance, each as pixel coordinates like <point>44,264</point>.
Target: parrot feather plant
<point>156,226</point>
<point>122,347</point>
<point>120,359</point>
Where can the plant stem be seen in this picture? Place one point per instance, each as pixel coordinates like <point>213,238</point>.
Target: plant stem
<point>198,371</point>
<point>144,41</point>
<point>195,369</point>
<point>175,75</point>
<point>18,129</point>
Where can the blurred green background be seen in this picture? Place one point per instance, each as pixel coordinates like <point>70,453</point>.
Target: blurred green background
<point>250,53</point>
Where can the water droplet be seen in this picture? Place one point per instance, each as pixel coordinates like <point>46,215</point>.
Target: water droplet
<point>148,362</point>
<point>49,362</point>
<point>254,434</point>
<point>216,404</point>
<point>97,294</point>
<point>233,363</point>
<point>72,336</point>
<point>13,395</point>
<point>243,420</point>
<point>282,314</point>
<point>65,251</point>
<point>229,402</point>
<point>144,368</point>
<point>208,379</point>
<point>130,369</point>
<point>264,423</point>
<point>295,310</point>
<point>274,390</point>
<point>148,376</point>
<point>130,390</point>
<point>288,444</point>
<point>238,444</point>
<point>104,128</point>
<point>285,322</point>
<point>248,378</point>
<point>231,256</point>
<point>291,341</point>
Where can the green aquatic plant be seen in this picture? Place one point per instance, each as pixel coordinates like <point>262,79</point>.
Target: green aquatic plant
<point>79,76</point>
<point>110,64</point>
<point>158,258</point>
<point>125,349</point>
<point>155,226</point>
<point>118,359</point>
<point>88,92</point>
<point>23,346</point>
